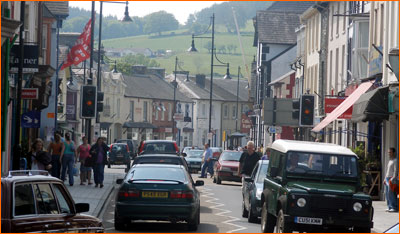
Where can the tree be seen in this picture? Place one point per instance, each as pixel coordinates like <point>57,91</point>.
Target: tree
<point>125,64</point>
<point>159,22</point>
<point>221,49</point>
<point>208,46</point>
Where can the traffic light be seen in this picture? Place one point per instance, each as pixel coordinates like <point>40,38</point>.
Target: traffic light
<point>307,110</point>
<point>88,101</point>
<point>100,99</point>
<point>296,108</point>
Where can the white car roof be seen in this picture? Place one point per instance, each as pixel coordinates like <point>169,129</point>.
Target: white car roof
<point>310,147</point>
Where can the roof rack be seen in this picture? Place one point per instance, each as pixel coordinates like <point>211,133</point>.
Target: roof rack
<point>27,172</point>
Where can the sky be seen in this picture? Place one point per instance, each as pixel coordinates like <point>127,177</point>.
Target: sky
<point>180,9</point>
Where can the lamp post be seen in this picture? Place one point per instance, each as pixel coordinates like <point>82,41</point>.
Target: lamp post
<point>174,83</point>
<point>237,100</point>
<point>227,76</point>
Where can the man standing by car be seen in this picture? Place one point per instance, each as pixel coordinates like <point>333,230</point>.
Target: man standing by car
<point>248,161</point>
<point>207,162</point>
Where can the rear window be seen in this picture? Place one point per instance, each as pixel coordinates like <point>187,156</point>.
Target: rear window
<point>157,160</point>
<point>158,173</point>
<point>231,156</point>
<point>159,147</point>
<point>195,154</point>
<point>118,147</point>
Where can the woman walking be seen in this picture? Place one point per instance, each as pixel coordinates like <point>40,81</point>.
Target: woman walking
<point>54,150</point>
<point>67,159</point>
<point>99,154</point>
<point>37,158</point>
<point>83,153</point>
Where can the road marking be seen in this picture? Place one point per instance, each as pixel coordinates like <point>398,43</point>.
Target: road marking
<point>217,205</point>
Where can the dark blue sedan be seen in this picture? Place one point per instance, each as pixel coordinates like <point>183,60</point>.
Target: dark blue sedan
<point>253,187</point>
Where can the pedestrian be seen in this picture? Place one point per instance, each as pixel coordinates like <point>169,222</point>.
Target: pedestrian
<point>207,164</point>
<point>83,153</point>
<point>55,148</point>
<point>266,154</point>
<point>37,158</point>
<point>68,159</point>
<point>392,174</point>
<point>248,161</point>
<point>99,154</point>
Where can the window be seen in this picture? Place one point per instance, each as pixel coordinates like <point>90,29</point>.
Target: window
<point>187,110</point>
<point>132,110</point>
<point>118,108</point>
<point>336,71</point>
<point>343,69</point>
<point>331,22</point>
<point>329,83</point>
<point>44,42</point>
<point>46,203</point>
<point>225,111</point>
<point>169,111</point>
<point>63,201</point>
<point>129,133</point>
<point>337,20</point>
<point>344,17</point>
<point>162,113</point>
<point>317,33</point>
<point>144,111</point>
<point>203,110</point>
<point>156,113</point>
<point>212,111</point>
<point>179,108</point>
<point>234,112</point>
<point>24,203</point>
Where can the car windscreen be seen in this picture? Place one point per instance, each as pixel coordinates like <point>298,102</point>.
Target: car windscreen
<point>118,148</point>
<point>157,173</point>
<point>325,165</point>
<point>262,173</point>
<point>195,154</point>
<point>159,147</point>
<point>230,156</point>
<point>157,160</point>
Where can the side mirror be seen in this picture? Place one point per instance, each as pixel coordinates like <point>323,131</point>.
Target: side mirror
<point>120,181</point>
<point>81,207</point>
<point>184,154</point>
<point>274,172</point>
<point>248,179</point>
<point>199,183</point>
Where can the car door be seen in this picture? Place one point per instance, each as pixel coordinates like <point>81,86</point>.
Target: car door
<point>250,186</point>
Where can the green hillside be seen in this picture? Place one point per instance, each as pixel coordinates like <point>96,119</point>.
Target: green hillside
<point>178,42</point>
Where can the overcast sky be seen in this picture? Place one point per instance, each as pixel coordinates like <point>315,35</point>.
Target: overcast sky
<point>181,9</point>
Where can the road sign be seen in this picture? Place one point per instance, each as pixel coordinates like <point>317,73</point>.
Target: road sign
<point>30,119</point>
<point>29,93</point>
<point>274,129</point>
<point>209,136</point>
<point>178,117</point>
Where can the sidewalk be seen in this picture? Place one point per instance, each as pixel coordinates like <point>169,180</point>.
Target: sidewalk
<point>382,219</point>
<point>96,197</point>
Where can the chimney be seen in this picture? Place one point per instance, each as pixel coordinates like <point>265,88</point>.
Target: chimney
<point>139,69</point>
<point>157,71</point>
<point>201,80</point>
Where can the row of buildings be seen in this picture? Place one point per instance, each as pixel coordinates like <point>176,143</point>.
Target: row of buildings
<point>343,53</point>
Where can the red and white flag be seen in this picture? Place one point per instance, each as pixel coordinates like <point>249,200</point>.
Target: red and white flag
<point>81,50</point>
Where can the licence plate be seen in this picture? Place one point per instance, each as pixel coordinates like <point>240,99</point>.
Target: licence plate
<point>195,166</point>
<point>155,194</point>
<point>307,220</point>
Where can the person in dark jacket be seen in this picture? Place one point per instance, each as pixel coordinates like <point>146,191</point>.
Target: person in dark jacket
<point>37,158</point>
<point>99,154</point>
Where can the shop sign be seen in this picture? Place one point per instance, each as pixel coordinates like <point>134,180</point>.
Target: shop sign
<point>29,93</point>
<point>31,59</point>
<point>375,61</point>
<point>30,119</point>
<point>332,102</point>
<point>245,124</point>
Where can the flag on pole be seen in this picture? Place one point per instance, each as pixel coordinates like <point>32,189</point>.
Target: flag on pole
<point>81,50</point>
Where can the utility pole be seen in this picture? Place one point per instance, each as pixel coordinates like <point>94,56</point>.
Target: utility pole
<point>88,123</point>
<point>174,108</point>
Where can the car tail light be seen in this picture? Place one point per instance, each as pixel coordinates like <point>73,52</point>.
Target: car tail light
<point>141,147</point>
<point>182,194</point>
<point>176,148</point>
<point>130,193</point>
<point>127,148</point>
<point>111,147</point>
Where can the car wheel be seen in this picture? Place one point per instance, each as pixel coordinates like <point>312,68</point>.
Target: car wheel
<point>118,223</point>
<point>109,165</point>
<point>245,212</point>
<point>362,229</point>
<point>251,218</point>
<point>218,180</point>
<point>194,224</point>
<point>267,220</point>
<point>281,227</point>
<point>214,180</point>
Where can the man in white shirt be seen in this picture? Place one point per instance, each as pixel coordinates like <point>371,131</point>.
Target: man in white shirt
<point>391,175</point>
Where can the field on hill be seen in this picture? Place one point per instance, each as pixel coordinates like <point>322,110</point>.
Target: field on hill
<point>178,42</point>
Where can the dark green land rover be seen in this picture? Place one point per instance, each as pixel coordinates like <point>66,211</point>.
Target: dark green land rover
<point>314,187</point>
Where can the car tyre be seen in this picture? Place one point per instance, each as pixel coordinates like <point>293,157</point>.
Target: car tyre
<point>267,220</point>
<point>245,212</point>
<point>118,223</point>
<point>281,227</point>
<point>214,180</point>
<point>194,224</point>
<point>251,218</point>
<point>362,229</point>
<point>109,165</point>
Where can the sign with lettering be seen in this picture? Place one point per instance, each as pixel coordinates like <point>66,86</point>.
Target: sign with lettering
<point>29,93</point>
<point>332,102</point>
<point>31,59</point>
<point>245,124</point>
<point>375,61</point>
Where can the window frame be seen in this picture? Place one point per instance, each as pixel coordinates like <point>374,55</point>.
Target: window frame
<point>13,200</point>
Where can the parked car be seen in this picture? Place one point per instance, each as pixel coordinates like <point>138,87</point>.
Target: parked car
<point>119,155</point>
<point>160,159</point>
<point>226,168</point>
<point>253,188</point>
<point>34,201</point>
<point>216,151</point>
<point>393,229</point>
<point>132,144</point>
<point>157,192</point>
<point>194,160</point>
<point>185,150</point>
<point>158,147</point>
<point>321,195</point>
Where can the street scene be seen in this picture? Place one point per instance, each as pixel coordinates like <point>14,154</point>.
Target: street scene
<point>202,116</point>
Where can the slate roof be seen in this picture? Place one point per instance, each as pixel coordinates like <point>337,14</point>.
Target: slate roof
<point>58,8</point>
<point>276,27</point>
<point>291,6</point>
<point>151,87</point>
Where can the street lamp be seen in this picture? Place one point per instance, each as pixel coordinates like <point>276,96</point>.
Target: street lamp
<point>237,100</point>
<point>174,83</point>
<point>227,76</point>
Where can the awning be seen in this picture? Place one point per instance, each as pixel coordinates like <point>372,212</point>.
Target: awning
<point>346,104</point>
<point>105,125</point>
<point>372,106</point>
<point>138,125</point>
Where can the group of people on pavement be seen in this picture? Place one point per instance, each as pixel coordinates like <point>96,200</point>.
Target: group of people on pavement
<point>62,156</point>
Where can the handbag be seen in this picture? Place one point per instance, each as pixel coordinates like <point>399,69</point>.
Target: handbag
<point>75,171</point>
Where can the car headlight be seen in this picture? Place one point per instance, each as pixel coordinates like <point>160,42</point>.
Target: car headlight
<point>357,207</point>
<point>258,193</point>
<point>301,202</point>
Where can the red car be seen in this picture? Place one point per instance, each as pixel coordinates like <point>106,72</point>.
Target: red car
<point>226,168</point>
<point>216,152</point>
